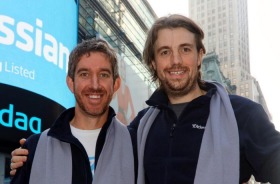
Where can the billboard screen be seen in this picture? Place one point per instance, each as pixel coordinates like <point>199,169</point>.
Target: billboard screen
<point>36,38</point>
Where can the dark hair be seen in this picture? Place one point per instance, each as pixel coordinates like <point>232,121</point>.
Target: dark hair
<point>171,21</point>
<point>88,46</point>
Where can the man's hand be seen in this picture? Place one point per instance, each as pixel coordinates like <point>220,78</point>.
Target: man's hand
<point>19,156</point>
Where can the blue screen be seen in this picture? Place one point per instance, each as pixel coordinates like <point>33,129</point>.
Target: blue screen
<point>36,38</point>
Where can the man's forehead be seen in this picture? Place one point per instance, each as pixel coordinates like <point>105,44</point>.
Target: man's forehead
<point>95,61</point>
<point>175,36</point>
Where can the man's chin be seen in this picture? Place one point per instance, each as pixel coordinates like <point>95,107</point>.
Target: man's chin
<point>177,91</point>
<point>96,113</point>
<point>174,91</point>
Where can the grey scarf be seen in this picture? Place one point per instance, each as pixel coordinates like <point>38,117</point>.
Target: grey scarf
<point>218,161</point>
<point>53,160</point>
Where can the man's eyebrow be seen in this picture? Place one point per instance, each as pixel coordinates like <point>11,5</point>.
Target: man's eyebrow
<point>101,70</point>
<point>106,70</point>
<point>187,44</point>
<point>181,45</point>
<point>82,70</point>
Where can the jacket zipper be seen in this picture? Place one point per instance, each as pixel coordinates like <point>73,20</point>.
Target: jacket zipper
<point>172,129</point>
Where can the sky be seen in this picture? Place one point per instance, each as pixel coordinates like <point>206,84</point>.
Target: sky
<point>264,37</point>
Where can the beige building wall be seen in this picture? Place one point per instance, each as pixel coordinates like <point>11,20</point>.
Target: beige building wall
<point>225,25</point>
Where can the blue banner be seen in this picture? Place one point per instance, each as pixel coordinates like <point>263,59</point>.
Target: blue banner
<point>36,38</point>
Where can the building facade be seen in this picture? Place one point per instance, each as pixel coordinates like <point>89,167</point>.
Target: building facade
<point>225,24</point>
<point>211,71</point>
<point>124,24</point>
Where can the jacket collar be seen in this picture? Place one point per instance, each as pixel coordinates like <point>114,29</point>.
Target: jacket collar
<point>159,97</point>
<point>61,127</point>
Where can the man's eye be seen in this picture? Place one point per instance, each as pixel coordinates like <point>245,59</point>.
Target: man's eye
<point>84,74</point>
<point>185,50</point>
<point>165,53</point>
<point>104,75</point>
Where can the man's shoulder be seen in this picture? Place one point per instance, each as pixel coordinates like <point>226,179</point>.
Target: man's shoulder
<point>31,143</point>
<point>142,113</point>
<point>135,122</point>
<point>246,110</point>
<point>33,138</point>
<point>242,102</point>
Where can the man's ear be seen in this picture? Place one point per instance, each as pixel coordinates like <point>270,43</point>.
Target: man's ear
<point>70,83</point>
<point>153,64</point>
<point>117,84</point>
<point>200,57</point>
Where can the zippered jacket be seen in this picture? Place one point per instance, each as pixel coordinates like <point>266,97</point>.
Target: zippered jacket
<point>173,144</point>
<point>61,131</point>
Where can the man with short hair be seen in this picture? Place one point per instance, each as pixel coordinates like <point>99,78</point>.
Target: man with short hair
<point>86,144</point>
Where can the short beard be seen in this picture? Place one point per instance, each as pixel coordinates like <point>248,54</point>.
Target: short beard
<point>181,89</point>
<point>93,113</point>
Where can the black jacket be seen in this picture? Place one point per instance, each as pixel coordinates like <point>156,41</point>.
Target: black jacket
<point>173,144</point>
<point>80,162</point>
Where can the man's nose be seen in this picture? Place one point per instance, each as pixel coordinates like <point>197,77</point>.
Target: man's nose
<point>176,57</point>
<point>95,81</point>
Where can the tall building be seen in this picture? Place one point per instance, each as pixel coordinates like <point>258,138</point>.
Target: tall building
<point>225,24</point>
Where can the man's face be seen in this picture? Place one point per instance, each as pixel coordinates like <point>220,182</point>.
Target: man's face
<point>176,61</point>
<point>93,84</point>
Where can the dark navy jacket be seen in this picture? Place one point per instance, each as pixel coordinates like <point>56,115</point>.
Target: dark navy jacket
<point>173,144</point>
<point>80,162</point>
